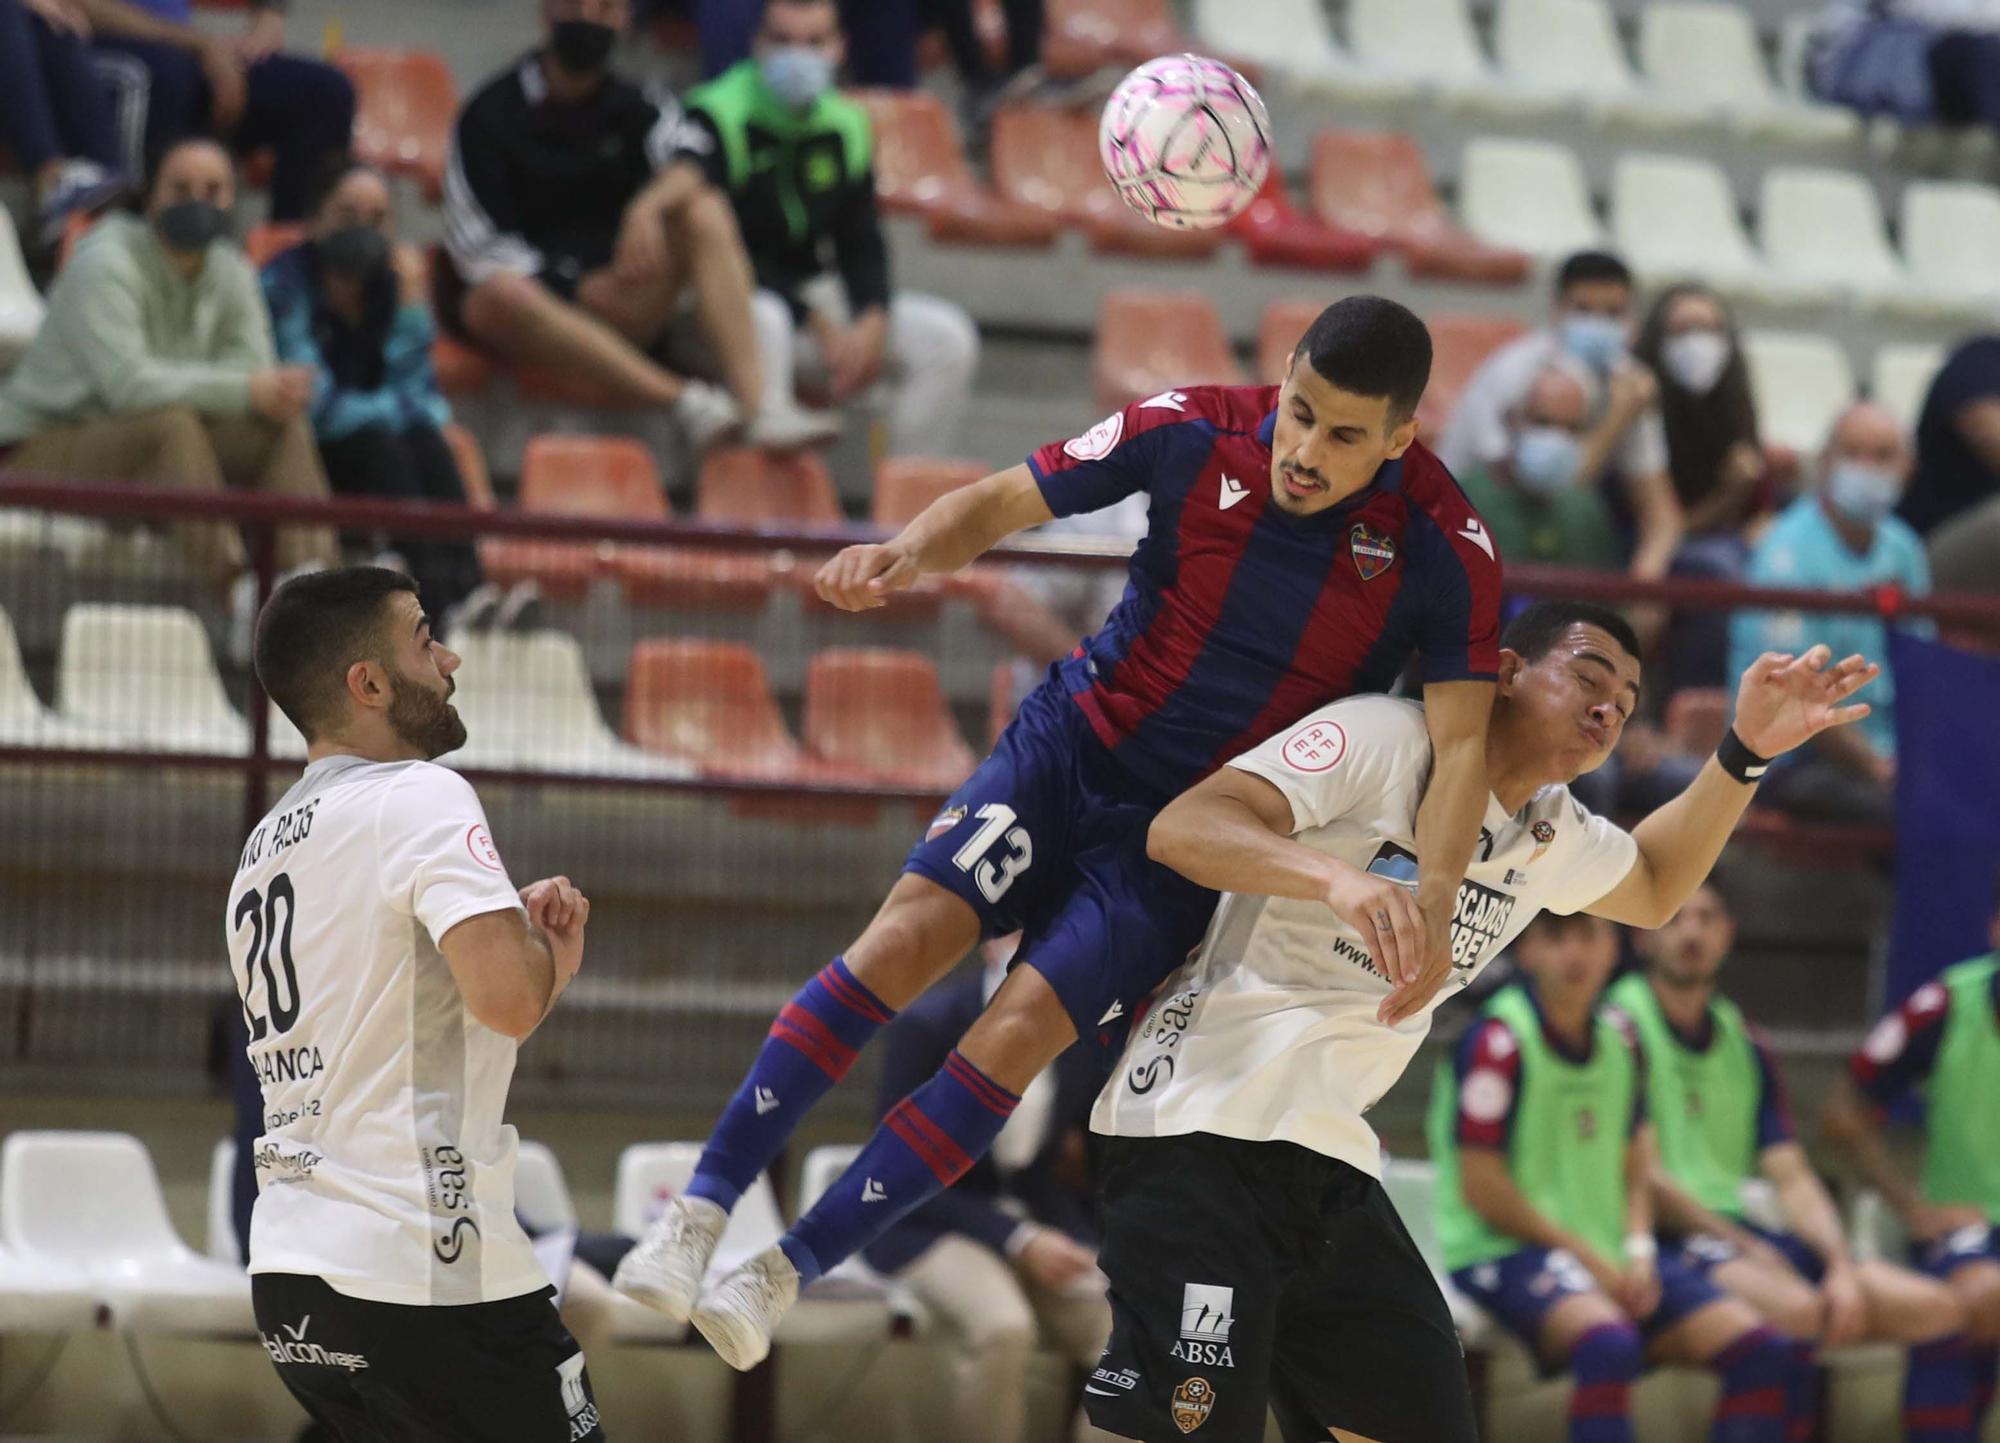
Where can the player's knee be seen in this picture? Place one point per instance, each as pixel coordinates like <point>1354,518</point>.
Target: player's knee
<point>1980,1298</point>
<point>1793,1310</point>
<point>1610,1352</point>
<point>500,305</point>
<point>708,218</point>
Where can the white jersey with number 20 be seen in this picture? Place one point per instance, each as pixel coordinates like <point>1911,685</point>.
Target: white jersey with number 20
<point>384,1166</point>
<point>1268,1032</point>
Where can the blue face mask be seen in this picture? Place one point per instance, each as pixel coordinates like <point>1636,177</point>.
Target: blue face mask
<point>797,74</point>
<point>1862,493</point>
<point>1544,460</point>
<point>1597,341</point>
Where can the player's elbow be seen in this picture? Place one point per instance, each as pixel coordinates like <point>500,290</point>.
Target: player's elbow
<point>514,1014</point>
<point>1168,839</point>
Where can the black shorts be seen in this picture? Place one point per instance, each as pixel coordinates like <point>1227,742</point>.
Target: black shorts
<point>559,273</point>
<point>1253,1273</point>
<point>370,1371</point>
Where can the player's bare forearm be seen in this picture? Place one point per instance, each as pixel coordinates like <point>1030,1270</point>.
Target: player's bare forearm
<point>1640,1165</point>
<point>1233,833</point>
<point>1803,1200</point>
<point>1678,846</point>
<point>1852,1125</point>
<point>965,524</point>
<point>1491,1191</point>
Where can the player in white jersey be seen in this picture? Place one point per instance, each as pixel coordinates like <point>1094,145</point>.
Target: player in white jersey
<point>387,969</point>
<point>1252,1253</point>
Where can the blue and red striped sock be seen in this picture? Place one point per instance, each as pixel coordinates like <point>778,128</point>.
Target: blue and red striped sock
<point>1756,1371</point>
<point>924,1145</point>
<point>1985,1375</point>
<point>1606,1361</point>
<point>1804,1392</point>
<point>809,1049</point>
<point>1938,1393</point>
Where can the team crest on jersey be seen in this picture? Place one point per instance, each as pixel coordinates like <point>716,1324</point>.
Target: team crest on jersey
<point>1096,443</point>
<point>943,822</point>
<point>1373,552</point>
<point>1194,1400</point>
<point>1544,833</point>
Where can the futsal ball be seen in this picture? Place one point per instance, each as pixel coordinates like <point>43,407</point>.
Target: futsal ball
<point>1186,142</point>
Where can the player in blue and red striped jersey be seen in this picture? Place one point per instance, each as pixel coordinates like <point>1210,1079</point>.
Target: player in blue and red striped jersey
<point>1301,547</point>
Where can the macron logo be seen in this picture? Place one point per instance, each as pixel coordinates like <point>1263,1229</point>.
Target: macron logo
<point>766,1100</point>
<point>1112,1013</point>
<point>1233,491</point>
<point>873,1191</point>
<point>1476,534</point>
<point>1166,401</point>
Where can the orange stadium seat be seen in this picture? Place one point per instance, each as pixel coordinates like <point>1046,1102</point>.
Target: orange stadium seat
<point>1148,341</point>
<point>461,371</point>
<point>1379,184</point>
<point>1047,157</point>
<point>691,578</point>
<point>1460,344</point>
<point>1275,234</point>
<point>405,105</point>
<point>880,715</point>
<point>708,702</point>
<point>905,485</point>
<point>920,169</point>
<point>267,241</point>
<point>612,477</point>
<point>1284,322</point>
<point>471,466</point>
<point>745,486</point>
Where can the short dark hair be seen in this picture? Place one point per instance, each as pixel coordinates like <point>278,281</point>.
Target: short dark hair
<point>1587,266</point>
<point>313,629</point>
<point>157,161</point>
<point>1718,882</point>
<point>1541,624</point>
<point>332,174</point>
<point>1371,346</point>
<point>1559,924</point>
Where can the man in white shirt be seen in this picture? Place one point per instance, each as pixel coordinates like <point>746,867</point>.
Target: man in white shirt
<point>387,969</point>
<point>1252,1254</point>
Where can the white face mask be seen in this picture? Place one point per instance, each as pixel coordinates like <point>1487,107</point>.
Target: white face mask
<point>1695,359</point>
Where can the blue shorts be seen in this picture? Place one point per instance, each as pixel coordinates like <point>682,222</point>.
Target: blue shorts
<point>1048,837</point>
<point>1520,1288</point>
<point>1974,1244</point>
<point>1705,1254</point>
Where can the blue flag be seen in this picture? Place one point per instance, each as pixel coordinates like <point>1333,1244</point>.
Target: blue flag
<point>1947,807</point>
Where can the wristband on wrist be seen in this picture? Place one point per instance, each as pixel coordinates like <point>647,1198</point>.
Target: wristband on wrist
<point>1641,1248</point>
<point>1739,761</point>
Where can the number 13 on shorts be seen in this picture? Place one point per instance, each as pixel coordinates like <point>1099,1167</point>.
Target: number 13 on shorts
<point>994,875</point>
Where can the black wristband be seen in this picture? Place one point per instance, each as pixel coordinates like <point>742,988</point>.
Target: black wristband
<point>1739,761</point>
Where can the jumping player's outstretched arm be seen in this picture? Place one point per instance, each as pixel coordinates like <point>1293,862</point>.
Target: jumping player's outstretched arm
<point>1781,703</point>
<point>953,530</point>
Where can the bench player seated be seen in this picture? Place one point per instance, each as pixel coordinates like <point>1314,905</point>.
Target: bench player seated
<point>1544,1208</point>
<point>1252,1253</point>
<point>1719,1115</point>
<point>1942,1046</point>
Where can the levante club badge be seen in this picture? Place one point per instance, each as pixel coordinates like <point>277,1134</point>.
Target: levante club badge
<point>1194,1400</point>
<point>1373,552</point>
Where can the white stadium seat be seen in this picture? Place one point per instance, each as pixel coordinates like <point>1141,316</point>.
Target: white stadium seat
<point>527,703</point>
<point>147,675</point>
<point>24,721</point>
<point>822,1165</point>
<point>1293,38</point>
<point>1571,48</point>
<point>1825,225</point>
<point>1433,41</point>
<point>1675,218</point>
<point>21,309</point>
<point>222,1243</point>
<point>1949,234</point>
<point>1707,54</point>
<point>1528,194</point>
<point>1900,376</point>
<point>1800,381</point>
<point>541,1195</point>
<point>92,1202</point>
<point>38,1295</point>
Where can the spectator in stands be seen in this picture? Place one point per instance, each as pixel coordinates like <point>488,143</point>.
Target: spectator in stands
<point>245,92</point>
<point>55,114</point>
<point>348,305</point>
<point>575,237</point>
<point>1965,556</point>
<point>155,365</point>
<point>1922,62</point>
<point>1941,1046</point>
<point>1718,1108</point>
<point>795,157</point>
<point>1958,437</point>
<point>1626,442</point>
<point>1529,495</point>
<point>1690,343</point>
<point>1840,536</point>
<point>1004,1256</point>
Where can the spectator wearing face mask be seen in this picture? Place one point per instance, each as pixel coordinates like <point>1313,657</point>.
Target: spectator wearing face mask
<point>1625,441</point>
<point>348,305</point>
<point>1842,535</point>
<point>1958,437</point>
<point>1709,417</point>
<point>1529,495</point>
<point>155,366</point>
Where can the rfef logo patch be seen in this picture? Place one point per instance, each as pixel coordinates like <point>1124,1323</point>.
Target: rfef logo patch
<point>1317,746</point>
<point>1373,552</point>
<point>1096,443</point>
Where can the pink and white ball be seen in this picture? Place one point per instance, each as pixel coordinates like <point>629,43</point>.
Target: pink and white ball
<point>1186,142</point>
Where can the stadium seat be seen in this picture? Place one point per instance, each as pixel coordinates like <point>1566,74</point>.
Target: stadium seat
<point>1460,343</point>
<point>528,705</point>
<point>920,168</point>
<point>612,477</point>
<point>905,485</point>
<point>40,1295</point>
<point>822,1166</point>
<point>1080,37</point>
<point>1707,54</point>
<point>708,704</point>
<point>880,715</point>
<point>1801,381</point>
<point>91,1201</point>
<point>21,307</point>
<point>1948,233</point>
<point>541,1196</point>
<point>1148,341</point>
<point>24,721</point>
<point>268,240</point>
<point>1433,42</point>
<point>221,1242</point>
<point>1571,48</point>
<point>405,106</point>
<point>1900,376</point>
<point>461,371</point>
<point>146,675</point>
<point>1528,194</point>
<point>1283,323</point>
<point>1825,225</point>
<point>1673,217</point>
<point>1697,716</point>
<point>693,578</point>
<point>1047,158</point>
<point>1378,183</point>
<point>1293,39</point>
<point>465,450</point>
<point>745,486</point>
<point>1274,233</point>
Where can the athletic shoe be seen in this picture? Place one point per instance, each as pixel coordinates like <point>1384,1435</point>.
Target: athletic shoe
<point>793,428</point>
<point>707,413</point>
<point>664,1270</point>
<point>82,187</point>
<point>739,1314</point>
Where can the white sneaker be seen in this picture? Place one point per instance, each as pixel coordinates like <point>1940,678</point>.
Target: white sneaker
<point>707,413</point>
<point>793,428</point>
<point>664,1271</point>
<point>739,1314</point>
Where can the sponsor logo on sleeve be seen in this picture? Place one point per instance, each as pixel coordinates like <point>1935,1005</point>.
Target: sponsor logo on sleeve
<point>1317,746</point>
<point>1166,401</point>
<point>1544,833</point>
<point>1193,1401</point>
<point>480,844</point>
<point>1098,442</point>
